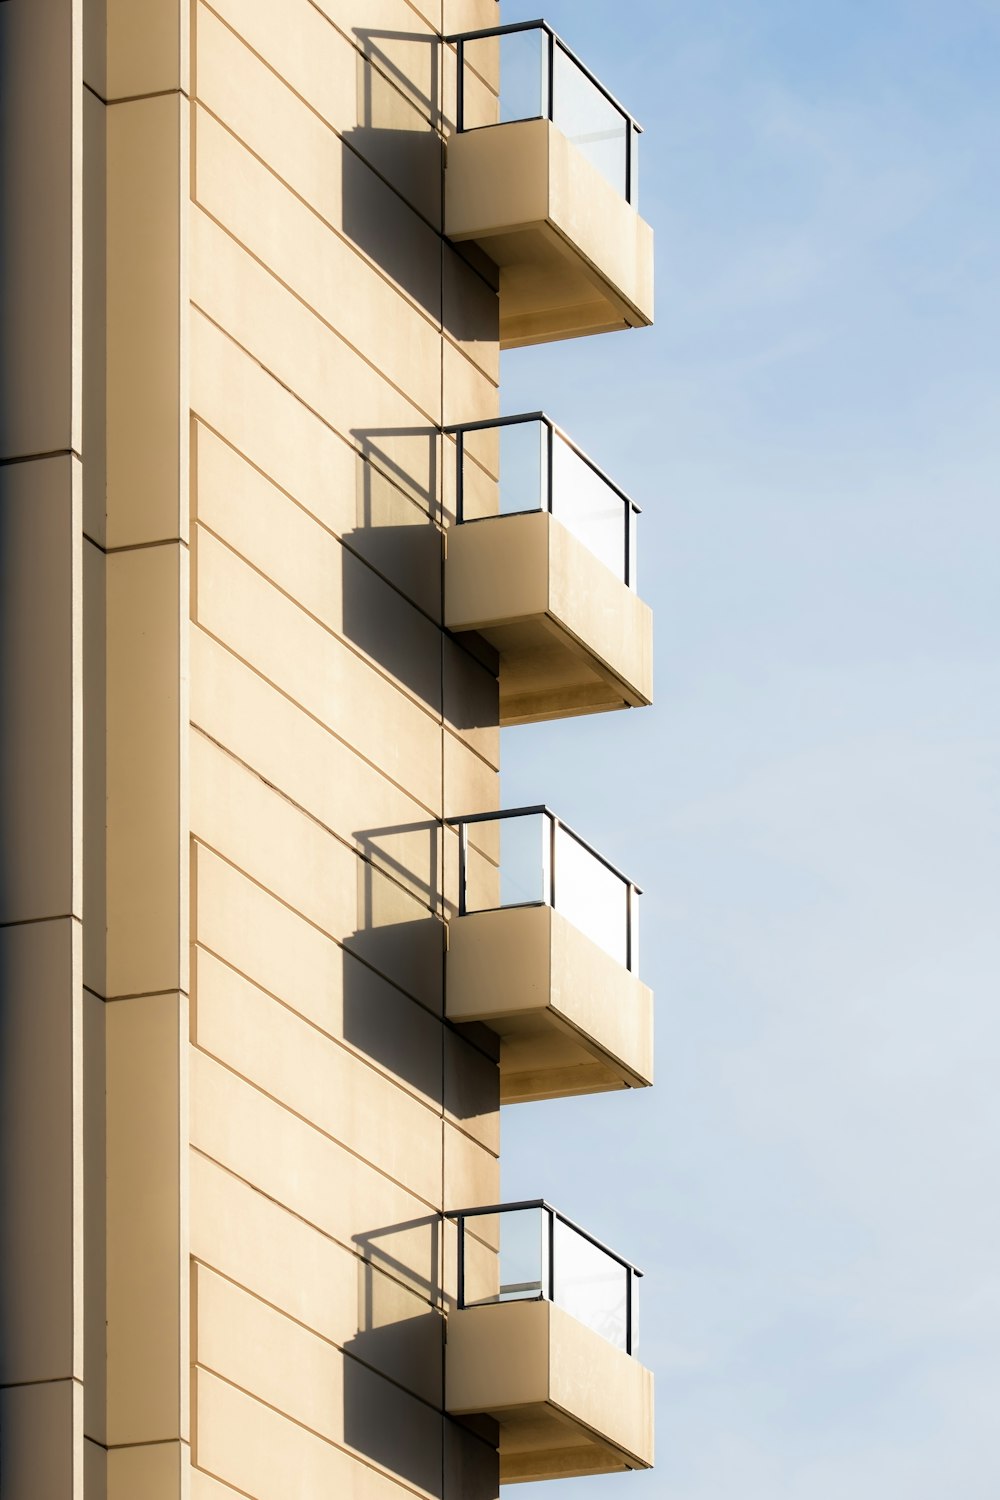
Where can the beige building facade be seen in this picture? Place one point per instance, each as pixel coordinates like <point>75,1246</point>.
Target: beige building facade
<point>254,660</point>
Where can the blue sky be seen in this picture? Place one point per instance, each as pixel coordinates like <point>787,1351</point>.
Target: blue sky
<point>813,804</point>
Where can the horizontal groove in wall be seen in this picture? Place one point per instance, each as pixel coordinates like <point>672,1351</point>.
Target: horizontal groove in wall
<point>369,1062</point>
<point>352,1453</point>
<point>353,1151</point>
<point>436,1111</point>
<point>330,327</point>
<point>37,458</point>
<point>365,259</point>
<point>436,716</point>
<point>307,1328</point>
<point>302,916</point>
<point>314,111</point>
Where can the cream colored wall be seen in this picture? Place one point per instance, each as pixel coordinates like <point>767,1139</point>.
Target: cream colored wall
<point>233,335</point>
<point>333,1113</point>
<point>233,1109</point>
<point>42,1114</point>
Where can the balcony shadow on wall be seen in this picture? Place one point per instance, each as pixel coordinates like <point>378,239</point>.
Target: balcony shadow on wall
<point>396,1426</point>
<point>399,938</point>
<point>397,503</point>
<point>399,138</point>
<point>403,863</point>
<point>400,515</point>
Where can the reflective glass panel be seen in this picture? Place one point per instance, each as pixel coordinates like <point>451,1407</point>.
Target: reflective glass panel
<point>523,467</point>
<point>588,507</point>
<point>591,896</point>
<point>523,1254</point>
<point>524,847</point>
<point>523,76</point>
<point>590,1285</point>
<point>589,120</point>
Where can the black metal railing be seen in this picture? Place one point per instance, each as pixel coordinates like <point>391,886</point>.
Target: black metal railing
<point>532,1252</point>
<point>539,467</point>
<point>538,860</point>
<point>541,78</point>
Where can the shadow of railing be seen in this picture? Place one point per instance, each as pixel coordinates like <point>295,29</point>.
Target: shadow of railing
<point>410,458</point>
<point>398,1426</point>
<point>398,136</point>
<point>401,936</point>
<point>397,511</point>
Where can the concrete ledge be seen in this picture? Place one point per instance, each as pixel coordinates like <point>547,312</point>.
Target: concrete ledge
<point>571,1020</point>
<point>572,638</point>
<point>567,1401</point>
<point>574,256</point>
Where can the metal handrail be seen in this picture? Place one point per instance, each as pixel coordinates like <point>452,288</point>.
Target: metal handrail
<point>524,812</point>
<point>461,1214</point>
<point>632,891</point>
<point>459,40</point>
<point>458,431</point>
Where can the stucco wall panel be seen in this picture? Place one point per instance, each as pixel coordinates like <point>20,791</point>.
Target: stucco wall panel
<point>261,727</point>
<point>41,765</point>
<point>310,1380</point>
<point>304,150</point>
<point>322,268</point>
<point>147,1218</point>
<point>304,968</point>
<point>286,1058</point>
<point>274,1254</point>
<point>378,121</point>
<point>347,392</point>
<point>41,1441</point>
<point>266,1455</point>
<point>309,564</point>
<point>41,1164</point>
<point>294,1163</point>
<point>40,239</point>
<point>148,47</point>
<point>147,900</point>
<point>156,1471</point>
<point>337,482</point>
<point>147,268</point>
<point>291,649</point>
<point>287,852</point>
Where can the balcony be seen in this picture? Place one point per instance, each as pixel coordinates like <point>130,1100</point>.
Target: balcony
<point>543,1339</point>
<point>542,563</point>
<point>543,176</point>
<point>544,951</point>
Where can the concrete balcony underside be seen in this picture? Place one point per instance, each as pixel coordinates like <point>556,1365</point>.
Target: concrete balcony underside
<point>571,637</point>
<point>571,1020</point>
<point>568,1402</point>
<point>574,257</point>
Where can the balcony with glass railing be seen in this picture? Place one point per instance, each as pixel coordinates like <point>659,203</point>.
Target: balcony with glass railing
<point>543,1338</point>
<point>542,172</point>
<point>544,949</point>
<point>542,563</point>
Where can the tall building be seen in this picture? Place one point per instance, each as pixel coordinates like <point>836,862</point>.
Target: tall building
<point>272,576</point>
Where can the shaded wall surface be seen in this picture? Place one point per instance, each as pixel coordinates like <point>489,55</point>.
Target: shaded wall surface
<point>232,1109</point>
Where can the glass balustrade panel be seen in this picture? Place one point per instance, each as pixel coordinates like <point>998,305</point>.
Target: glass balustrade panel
<point>524,850</point>
<point>590,1285</point>
<point>523,467</point>
<point>523,74</point>
<point>588,507</point>
<point>524,1254</point>
<point>591,896</point>
<point>480,1246</point>
<point>588,119</point>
